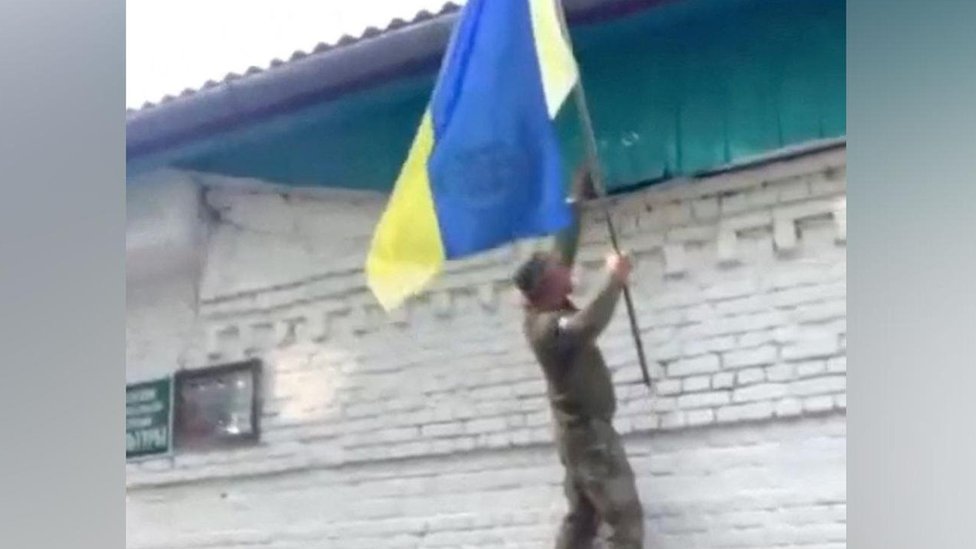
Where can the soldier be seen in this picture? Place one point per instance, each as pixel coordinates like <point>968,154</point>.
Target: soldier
<point>599,482</point>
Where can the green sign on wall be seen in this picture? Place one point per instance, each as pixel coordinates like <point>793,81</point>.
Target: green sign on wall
<point>148,418</point>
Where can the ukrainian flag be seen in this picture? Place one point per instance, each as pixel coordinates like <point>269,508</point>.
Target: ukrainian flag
<point>485,167</point>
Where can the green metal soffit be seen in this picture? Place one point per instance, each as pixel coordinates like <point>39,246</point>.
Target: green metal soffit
<point>675,90</point>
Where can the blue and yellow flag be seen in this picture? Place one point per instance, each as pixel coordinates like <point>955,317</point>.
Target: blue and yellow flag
<point>485,167</point>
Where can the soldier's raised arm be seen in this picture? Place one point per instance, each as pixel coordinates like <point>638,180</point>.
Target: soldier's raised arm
<point>591,320</point>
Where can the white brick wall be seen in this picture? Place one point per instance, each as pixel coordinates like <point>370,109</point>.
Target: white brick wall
<point>429,428</point>
<point>752,485</point>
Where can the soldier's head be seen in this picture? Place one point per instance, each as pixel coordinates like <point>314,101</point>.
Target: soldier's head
<point>544,281</point>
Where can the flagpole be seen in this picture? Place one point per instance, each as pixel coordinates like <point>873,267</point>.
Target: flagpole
<point>589,137</point>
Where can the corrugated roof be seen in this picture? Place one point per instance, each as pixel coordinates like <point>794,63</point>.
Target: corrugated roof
<point>319,49</point>
<point>324,73</point>
<point>575,7</point>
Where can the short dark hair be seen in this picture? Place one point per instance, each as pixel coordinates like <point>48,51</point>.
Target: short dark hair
<point>529,274</point>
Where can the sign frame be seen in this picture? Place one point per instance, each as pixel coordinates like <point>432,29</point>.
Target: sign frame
<point>253,367</point>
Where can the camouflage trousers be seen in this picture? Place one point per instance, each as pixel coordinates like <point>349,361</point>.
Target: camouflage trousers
<point>599,486</point>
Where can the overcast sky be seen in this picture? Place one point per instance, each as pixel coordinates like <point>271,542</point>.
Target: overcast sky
<point>176,44</point>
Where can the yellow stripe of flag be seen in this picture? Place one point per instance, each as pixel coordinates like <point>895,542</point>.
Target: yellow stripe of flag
<point>559,72</point>
<point>407,251</point>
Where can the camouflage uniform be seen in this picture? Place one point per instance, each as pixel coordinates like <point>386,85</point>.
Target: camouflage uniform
<point>599,482</point>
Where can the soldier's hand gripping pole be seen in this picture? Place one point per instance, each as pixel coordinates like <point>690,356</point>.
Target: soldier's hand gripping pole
<point>614,241</point>
<point>593,161</point>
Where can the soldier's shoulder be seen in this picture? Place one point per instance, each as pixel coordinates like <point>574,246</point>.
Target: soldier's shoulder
<point>541,325</point>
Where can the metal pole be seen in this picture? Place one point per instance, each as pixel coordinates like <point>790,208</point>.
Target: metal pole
<point>589,136</point>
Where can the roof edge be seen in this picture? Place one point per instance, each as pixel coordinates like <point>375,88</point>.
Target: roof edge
<point>402,49</point>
